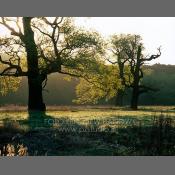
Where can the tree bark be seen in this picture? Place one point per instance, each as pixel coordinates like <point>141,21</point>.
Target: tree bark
<point>35,98</point>
<point>134,98</point>
<point>136,74</point>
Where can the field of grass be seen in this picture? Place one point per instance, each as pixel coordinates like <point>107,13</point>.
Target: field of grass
<point>96,130</point>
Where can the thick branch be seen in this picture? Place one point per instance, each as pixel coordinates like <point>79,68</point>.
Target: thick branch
<point>7,71</point>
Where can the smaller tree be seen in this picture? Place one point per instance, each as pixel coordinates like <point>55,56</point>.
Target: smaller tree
<point>125,71</point>
<point>118,57</point>
<point>128,53</point>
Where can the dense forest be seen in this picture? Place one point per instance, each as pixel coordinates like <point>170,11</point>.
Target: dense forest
<point>60,91</point>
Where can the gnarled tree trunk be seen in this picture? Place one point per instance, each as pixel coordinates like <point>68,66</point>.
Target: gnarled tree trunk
<point>35,100</point>
<point>134,98</point>
<point>136,73</point>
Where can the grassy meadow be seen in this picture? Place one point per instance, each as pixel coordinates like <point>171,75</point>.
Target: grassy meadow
<point>90,130</point>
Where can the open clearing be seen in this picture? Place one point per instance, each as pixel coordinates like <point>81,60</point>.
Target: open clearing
<point>91,130</point>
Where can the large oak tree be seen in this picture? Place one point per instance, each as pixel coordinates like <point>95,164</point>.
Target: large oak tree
<point>39,46</point>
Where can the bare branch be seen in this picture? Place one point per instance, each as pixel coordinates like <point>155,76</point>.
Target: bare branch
<point>108,59</point>
<point>13,31</point>
<point>152,57</point>
<point>44,33</point>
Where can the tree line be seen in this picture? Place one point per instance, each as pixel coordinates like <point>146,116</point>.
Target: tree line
<point>158,76</point>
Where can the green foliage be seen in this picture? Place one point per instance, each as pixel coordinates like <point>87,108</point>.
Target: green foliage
<point>62,47</point>
<point>122,73</point>
<point>62,92</point>
<point>76,47</point>
<point>9,84</point>
<point>124,49</point>
<point>129,40</point>
<point>108,79</point>
<point>103,84</point>
<point>124,46</point>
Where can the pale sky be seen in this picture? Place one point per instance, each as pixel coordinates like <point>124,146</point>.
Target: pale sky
<point>155,31</point>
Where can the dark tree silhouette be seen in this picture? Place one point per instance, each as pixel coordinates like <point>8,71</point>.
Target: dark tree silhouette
<point>41,46</point>
<point>135,64</point>
<point>128,56</point>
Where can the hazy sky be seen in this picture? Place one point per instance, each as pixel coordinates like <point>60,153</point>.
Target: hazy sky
<point>154,31</point>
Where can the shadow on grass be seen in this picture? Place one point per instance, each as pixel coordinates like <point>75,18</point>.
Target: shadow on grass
<point>46,135</point>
